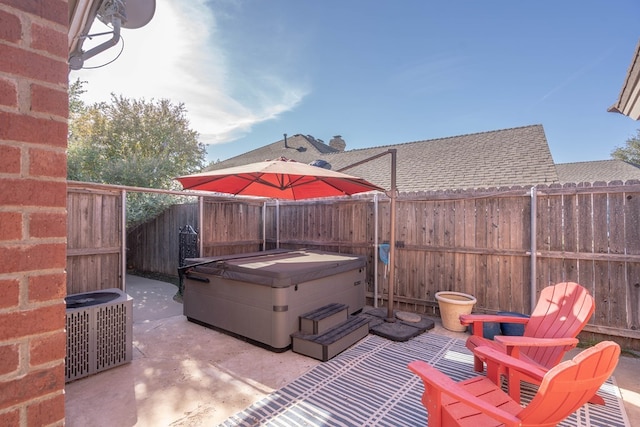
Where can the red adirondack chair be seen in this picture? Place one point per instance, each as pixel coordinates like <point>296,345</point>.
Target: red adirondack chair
<point>479,402</point>
<point>560,314</point>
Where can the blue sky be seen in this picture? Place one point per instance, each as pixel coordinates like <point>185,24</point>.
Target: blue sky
<point>382,72</point>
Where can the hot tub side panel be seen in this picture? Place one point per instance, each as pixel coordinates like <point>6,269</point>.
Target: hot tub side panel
<point>268,315</point>
<point>239,307</point>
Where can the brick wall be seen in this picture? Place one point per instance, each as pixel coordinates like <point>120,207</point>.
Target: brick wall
<point>33,139</point>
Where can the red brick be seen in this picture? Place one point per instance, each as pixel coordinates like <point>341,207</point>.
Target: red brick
<point>18,324</point>
<point>11,28</point>
<point>19,127</point>
<point>14,60</point>
<point>9,293</point>
<point>39,389</point>
<point>25,192</point>
<point>48,39</point>
<point>51,10</point>
<point>9,358</point>
<point>48,349</point>
<point>47,100</point>
<point>35,384</point>
<point>47,287</point>
<point>8,90</point>
<point>47,163</point>
<point>10,226</point>
<point>10,159</point>
<point>46,412</point>
<point>23,258</point>
<point>47,224</point>
<point>11,418</point>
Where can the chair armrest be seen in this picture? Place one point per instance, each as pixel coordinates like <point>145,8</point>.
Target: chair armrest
<point>467,319</point>
<point>517,341</point>
<point>513,343</point>
<point>478,320</point>
<point>439,383</point>
<point>497,362</point>
<point>431,375</point>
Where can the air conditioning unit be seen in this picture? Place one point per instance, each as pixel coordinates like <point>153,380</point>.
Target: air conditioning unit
<point>99,332</point>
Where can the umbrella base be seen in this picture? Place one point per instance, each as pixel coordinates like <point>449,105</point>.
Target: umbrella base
<point>400,330</point>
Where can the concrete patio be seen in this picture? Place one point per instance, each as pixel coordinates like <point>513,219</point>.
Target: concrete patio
<point>183,374</point>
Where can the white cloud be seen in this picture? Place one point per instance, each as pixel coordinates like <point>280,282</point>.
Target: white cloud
<point>179,56</point>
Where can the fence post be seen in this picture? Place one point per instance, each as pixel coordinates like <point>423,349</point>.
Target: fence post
<point>123,240</point>
<point>534,246</point>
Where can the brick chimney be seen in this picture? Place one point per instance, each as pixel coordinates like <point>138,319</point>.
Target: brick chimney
<point>337,143</point>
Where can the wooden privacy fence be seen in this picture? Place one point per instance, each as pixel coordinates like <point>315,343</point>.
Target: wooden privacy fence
<point>94,238</point>
<point>99,250</point>
<point>228,227</point>
<point>153,246</point>
<point>591,235</point>
<point>477,242</point>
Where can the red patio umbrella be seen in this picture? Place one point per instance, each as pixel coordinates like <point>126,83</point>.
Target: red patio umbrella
<point>279,179</point>
<point>287,179</point>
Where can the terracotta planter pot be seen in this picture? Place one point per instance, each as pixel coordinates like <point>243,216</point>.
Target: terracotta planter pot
<point>452,305</point>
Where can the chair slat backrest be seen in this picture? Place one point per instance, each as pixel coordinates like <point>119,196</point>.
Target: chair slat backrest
<point>561,312</point>
<point>570,384</point>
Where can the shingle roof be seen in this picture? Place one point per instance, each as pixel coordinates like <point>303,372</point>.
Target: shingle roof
<point>517,156</point>
<point>298,147</point>
<point>600,170</point>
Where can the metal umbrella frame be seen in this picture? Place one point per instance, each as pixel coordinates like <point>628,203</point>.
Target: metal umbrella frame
<point>393,192</point>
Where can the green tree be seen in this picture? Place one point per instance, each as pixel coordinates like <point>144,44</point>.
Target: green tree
<point>132,142</point>
<point>85,160</point>
<point>76,104</point>
<point>631,152</point>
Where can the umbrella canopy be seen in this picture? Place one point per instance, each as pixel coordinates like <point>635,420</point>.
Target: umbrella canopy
<point>280,179</point>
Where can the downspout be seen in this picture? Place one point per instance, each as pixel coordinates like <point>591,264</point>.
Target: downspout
<point>534,246</point>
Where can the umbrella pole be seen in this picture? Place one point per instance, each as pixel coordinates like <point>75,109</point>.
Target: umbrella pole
<point>392,220</point>
<point>392,238</point>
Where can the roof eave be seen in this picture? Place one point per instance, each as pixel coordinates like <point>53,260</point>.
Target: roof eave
<point>629,99</point>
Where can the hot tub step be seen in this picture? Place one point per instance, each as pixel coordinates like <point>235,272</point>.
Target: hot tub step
<point>329,344</point>
<point>323,319</point>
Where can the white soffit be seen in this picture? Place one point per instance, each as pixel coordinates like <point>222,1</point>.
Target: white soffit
<point>81,16</point>
<point>629,100</point>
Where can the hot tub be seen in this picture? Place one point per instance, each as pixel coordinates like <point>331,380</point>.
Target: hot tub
<point>260,296</point>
